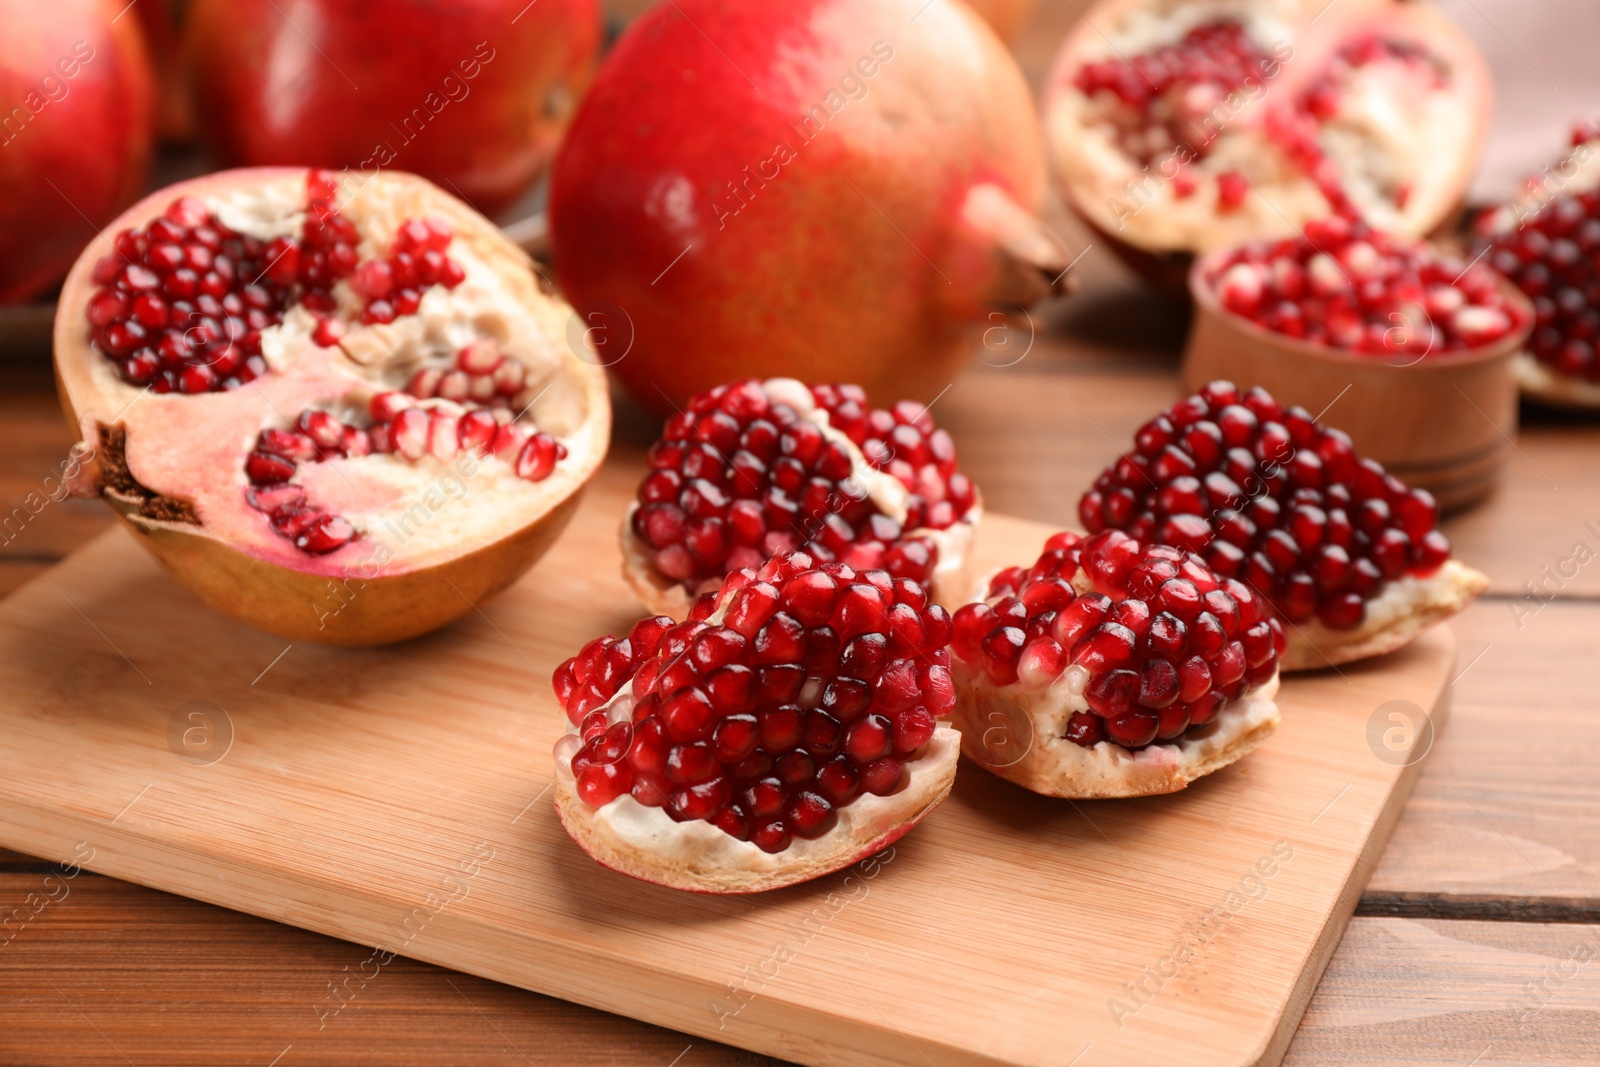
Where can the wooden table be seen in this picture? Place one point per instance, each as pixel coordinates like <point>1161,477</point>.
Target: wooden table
<point>1473,944</point>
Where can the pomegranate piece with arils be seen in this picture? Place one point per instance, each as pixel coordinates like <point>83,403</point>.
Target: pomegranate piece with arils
<point>752,469</point>
<point>789,727</point>
<point>182,302</point>
<point>183,299</point>
<point>1110,641</point>
<point>1547,241</point>
<point>1269,496</point>
<point>1184,128</point>
<point>1345,285</point>
<point>333,450</point>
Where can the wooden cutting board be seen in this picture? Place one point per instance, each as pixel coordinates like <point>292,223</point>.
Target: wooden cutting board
<point>399,798</point>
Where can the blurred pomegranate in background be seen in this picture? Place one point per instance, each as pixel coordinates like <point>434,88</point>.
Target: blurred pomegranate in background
<point>473,94</point>
<point>823,189</point>
<point>162,21</point>
<point>1006,16</point>
<point>76,105</point>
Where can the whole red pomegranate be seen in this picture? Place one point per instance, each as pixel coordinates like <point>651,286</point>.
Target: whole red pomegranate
<point>472,94</point>
<point>823,189</point>
<point>75,131</point>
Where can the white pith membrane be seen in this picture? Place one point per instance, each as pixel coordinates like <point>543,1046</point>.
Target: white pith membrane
<point>1055,766</point>
<point>952,574</point>
<point>646,843</point>
<point>1035,719</point>
<point>1578,173</point>
<point>1404,150</point>
<point>409,515</point>
<point>1404,608</point>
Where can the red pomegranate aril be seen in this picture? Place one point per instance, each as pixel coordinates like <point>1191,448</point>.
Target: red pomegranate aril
<point>1134,728</point>
<point>325,535</point>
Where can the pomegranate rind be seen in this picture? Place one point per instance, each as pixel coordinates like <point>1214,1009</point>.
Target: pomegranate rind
<point>261,579</point>
<point>1053,766</point>
<point>1161,231</point>
<point>697,857</point>
<point>1395,617</point>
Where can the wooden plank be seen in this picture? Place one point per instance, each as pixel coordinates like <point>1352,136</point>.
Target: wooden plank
<point>161,979</point>
<point>1408,992</point>
<point>350,792</point>
<point>1505,809</point>
<point>36,522</point>
<point>169,980</point>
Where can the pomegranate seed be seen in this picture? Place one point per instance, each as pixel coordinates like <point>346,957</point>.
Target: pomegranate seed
<point>326,534</point>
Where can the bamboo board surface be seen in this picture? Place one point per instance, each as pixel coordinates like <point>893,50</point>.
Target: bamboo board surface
<point>397,798</point>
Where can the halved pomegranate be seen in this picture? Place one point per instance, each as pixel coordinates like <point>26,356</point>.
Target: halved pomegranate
<point>1547,241</point>
<point>751,469</point>
<point>788,729</point>
<point>1349,557</point>
<point>340,411</point>
<point>1178,128</point>
<point>1113,668</point>
<point>1343,284</point>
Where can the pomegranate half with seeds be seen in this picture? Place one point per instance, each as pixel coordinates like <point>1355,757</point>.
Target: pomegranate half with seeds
<point>341,411</point>
<point>1179,128</point>
<point>1113,668</point>
<point>1345,285</point>
<point>787,729</point>
<point>1547,241</point>
<point>752,469</point>
<point>1348,556</point>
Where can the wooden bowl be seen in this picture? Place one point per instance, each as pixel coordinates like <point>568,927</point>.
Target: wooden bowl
<point>1444,423</point>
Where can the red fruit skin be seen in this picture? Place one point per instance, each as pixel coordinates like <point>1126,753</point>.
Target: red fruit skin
<point>848,257</point>
<point>268,98</point>
<point>74,150</point>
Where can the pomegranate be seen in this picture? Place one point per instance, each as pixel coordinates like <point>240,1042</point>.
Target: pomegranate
<point>787,729</point>
<point>76,99</point>
<point>1345,285</point>
<point>752,469</point>
<point>161,20</point>
<point>1182,128</point>
<point>1547,241</point>
<point>822,189</point>
<point>1112,668</point>
<point>1006,16</point>
<point>338,410</point>
<point>1347,555</point>
<point>473,94</point>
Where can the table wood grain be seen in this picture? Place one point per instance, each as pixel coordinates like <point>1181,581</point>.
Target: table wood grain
<point>1475,941</point>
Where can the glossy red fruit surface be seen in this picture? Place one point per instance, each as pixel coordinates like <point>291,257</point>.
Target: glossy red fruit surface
<point>473,95</point>
<point>822,189</point>
<point>76,122</point>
